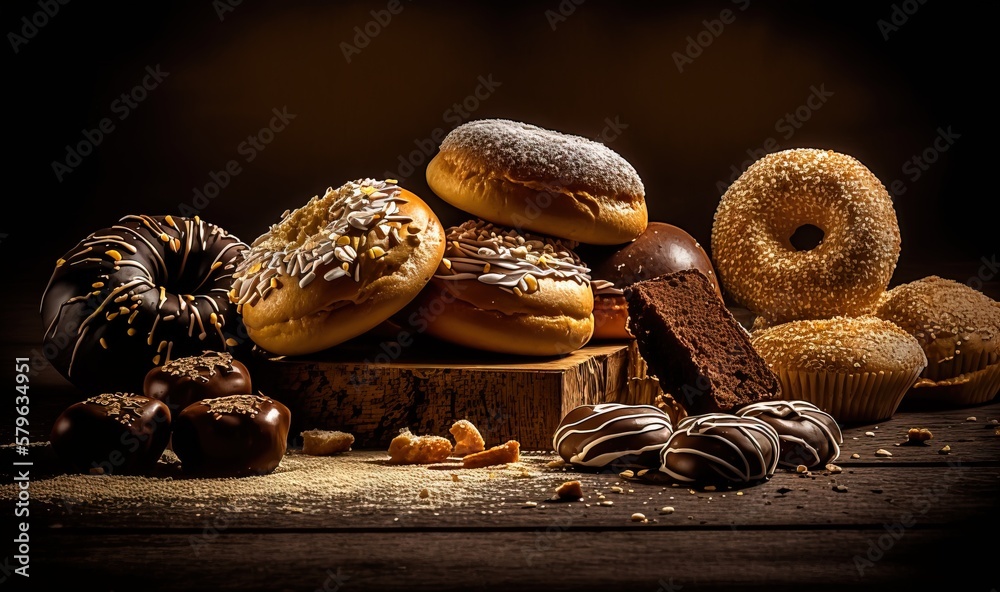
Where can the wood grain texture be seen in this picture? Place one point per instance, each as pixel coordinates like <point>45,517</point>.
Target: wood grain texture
<point>936,489</point>
<point>543,558</point>
<point>426,390</point>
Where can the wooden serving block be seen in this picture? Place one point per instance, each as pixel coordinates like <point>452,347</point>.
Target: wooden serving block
<point>427,386</point>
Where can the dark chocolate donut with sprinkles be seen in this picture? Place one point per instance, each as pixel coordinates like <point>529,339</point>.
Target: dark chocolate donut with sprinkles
<point>138,294</point>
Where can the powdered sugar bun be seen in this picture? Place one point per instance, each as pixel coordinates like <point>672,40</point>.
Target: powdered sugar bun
<point>530,178</point>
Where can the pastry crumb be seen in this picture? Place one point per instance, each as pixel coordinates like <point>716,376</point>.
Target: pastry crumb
<point>502,454</point>
<point>570,490</point>
<point>408,449</point>
<point>468,440</point>
<point>325,442</point>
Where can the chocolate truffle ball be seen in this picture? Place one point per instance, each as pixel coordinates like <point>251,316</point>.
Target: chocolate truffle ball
<point>232,436</point>
<point>598,436</point>
<point>661,249</point>
<point>112,433</point>
<point>808,435</point>
<point>182,381</point>
<point>721,449</point>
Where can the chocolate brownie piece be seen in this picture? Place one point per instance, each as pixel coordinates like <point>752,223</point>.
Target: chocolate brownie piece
<point>695,347</point>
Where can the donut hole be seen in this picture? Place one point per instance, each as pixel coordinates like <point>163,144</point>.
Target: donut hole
<point>806,237</point>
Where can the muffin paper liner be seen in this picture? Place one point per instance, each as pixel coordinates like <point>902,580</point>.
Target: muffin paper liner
<point>864,397</point>
<point>973,388</point>
<point>960,364</point>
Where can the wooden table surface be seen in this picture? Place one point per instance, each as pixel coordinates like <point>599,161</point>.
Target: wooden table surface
<point>919,519</point>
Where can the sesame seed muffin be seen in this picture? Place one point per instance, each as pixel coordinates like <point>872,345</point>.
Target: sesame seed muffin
<point>958,328</point>
<point>857,369</point>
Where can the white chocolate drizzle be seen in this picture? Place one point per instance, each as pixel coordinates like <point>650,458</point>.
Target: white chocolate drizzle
<point>804,412</point>
<point>511,261</point>
<point>614,422</point>
<point>356,208</point>
<point>722,429</point>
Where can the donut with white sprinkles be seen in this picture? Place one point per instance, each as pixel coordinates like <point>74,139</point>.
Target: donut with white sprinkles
<point>138,294</point>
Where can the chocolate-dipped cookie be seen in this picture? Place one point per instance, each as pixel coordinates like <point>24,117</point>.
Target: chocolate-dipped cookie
<point>597,436</point>
<point>232,436</point>
<point>182,381</point>
<point>809,436</point>
<point>721,449</point>
<point>112,433</point>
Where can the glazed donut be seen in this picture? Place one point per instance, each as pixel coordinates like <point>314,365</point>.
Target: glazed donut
<point>337,267</point>
<point>844,275</point>
<point>533,179</point>
<point>497,290</point>
<point>135,295</point>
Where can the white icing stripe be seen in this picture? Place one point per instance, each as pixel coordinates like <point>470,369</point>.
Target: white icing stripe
<point>501,257</point>
<point>581,456</point>
<point>610,457</point>
<point>599,410</point>
<point>805,411</point>
<point>701,426</point>
<point>568,430</point>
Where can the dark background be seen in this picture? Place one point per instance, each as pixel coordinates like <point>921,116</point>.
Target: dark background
<point>599,62</point>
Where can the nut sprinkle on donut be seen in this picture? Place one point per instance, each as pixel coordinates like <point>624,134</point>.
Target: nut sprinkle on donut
<point>504,258</point>
<point>356,208</point>
<point>137,294</point>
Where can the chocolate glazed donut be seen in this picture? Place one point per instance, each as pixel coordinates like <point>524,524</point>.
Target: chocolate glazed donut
<point>133,296</point>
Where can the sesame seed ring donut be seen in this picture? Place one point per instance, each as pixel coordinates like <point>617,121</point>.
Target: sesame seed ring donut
<point>844,274</point>
<point>134,296</point>
<point>337,266</point>
<point>498,290</point>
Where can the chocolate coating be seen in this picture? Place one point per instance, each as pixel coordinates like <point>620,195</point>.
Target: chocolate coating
<point>624,436</point>
<point>808,435</point>
<point>661,249</point>
<point>117,433</point>
<point>180,382</point>
<point>232,436</point>
<point>137,294</point>
<point>721,449</point>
